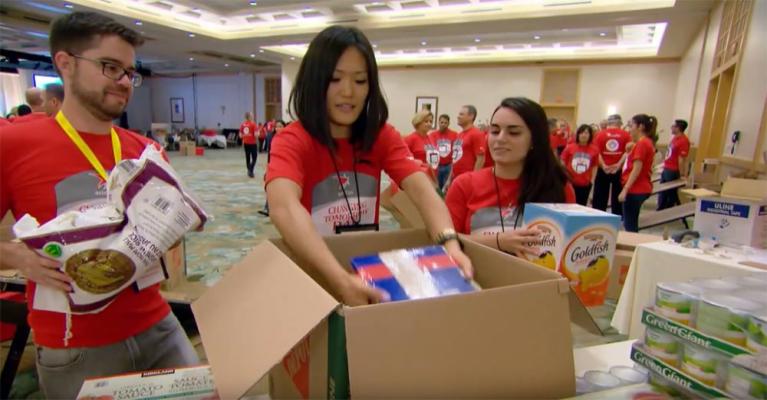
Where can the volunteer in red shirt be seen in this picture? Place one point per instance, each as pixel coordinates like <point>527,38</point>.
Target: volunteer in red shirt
<point>34,97</point>
<point>248,131</point>
<point>675,165</point>
<point>443,139</point>
<point>611,143</point>
<point>325,171</point>
<point>4,122</point>
<point>262,137</point>
<point>469,147</point>
<point>278,126</point>
<point>637,173</point>
<point>581,159</point>
<point>489,203</point>
<point>54,98</point>
<point>556,142</point>
<point>63,167</point>
<point>418,141</point>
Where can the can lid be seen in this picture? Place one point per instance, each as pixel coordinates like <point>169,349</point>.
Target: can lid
<point>734,304</point>
<point>681,288</point>
<point>714,284</point>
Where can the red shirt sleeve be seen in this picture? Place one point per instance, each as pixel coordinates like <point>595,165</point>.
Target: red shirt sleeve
<point>567,155</point>
<point>569,193</point>
<point>684,148</point>
<point>289,150</point>
<point>478,143</point>
<point>456,200</point>
<point>398,163</point>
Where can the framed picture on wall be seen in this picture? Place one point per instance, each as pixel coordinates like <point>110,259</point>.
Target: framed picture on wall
<point>176,109</point>
<point>428,103</point>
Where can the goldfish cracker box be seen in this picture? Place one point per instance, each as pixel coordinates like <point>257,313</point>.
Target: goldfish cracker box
<point>578,242</point>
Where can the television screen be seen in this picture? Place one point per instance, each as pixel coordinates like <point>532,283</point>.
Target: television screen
<point>41,81</point>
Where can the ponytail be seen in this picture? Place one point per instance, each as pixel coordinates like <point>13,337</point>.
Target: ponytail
<point>649,123</point>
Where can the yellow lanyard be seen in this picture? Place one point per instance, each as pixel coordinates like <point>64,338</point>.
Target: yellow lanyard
<point>85,149</point>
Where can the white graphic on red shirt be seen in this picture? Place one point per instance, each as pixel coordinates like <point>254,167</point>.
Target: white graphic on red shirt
<point>443,146</point>
<point>457,150</point>
<point>612,145</point>
<point>432,157</point>
<point>581,162</point>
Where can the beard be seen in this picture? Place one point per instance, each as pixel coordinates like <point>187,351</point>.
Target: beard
<point>95,100</point>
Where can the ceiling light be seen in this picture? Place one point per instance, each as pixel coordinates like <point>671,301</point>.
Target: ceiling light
<point>252,55</point>
<point>192,35</point>
<point>477,40</point>
<point>261,50</point>
<point>139,23</point>
<point>253,3</point>
<point>536,37</point>
<point>292,58</point>
<point>423,43</point>
<point>375,46</point>
<point>226,65</point>
<point>602,34</point>
<point>191,58</point>
<point>69,5</point>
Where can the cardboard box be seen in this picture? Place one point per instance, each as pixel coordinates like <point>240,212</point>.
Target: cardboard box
<point>187,147</point>
<point>618,272</point>
<point>511,339</point>
<point>579,242</point>
<point>630,240</point>
<point>193,383</point>
<point>738,217</point>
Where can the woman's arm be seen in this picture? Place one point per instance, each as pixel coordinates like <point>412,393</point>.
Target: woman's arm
<point>296,227</point>
<point>516,242</point>
<point>435,214</point>
<point>635,171</point>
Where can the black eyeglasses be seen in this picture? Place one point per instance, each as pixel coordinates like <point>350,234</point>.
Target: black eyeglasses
<point>115,71</point>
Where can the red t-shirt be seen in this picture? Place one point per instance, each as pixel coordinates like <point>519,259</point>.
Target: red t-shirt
<point>248,132</point>
<point>611,143</point>
<point>580,162</point>
<point>30,117</point>
<point>679,147</point>
<point>469,145</point>
<point>51,176</point>
<point>644,151</point>
<point>557,139</point>
<point>299,157</point>
<point>444,143</point>
<point>262,132</point>
<point>489,162</point>
<point>423,149</point>
<point>473,202</point>
<point>4,122</point>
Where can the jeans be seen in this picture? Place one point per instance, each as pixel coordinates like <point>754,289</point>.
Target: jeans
<point>631,208</point>
<point>668,198</point>
<point>269,141</point>
<point>443,172</point>
<point>603,184</point>
<point>582,194</point>
<point>164,345</point>
<point>251,155</point>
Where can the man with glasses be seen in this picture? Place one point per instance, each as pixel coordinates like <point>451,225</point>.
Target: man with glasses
<point>59,164</point>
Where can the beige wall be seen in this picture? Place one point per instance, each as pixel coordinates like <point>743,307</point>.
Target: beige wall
<point>685,87</point>
<point>632,88</point>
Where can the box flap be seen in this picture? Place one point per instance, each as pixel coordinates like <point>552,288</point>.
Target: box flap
<point>408,210</point>
<point>748,189</point>
<point>262,307</point>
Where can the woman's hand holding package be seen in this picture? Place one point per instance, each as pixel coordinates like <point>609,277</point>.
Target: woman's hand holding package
<point>34,267</point>
<point>519,241</point>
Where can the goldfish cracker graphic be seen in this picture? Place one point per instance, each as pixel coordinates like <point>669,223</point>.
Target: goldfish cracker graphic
<point>586,263</point>
<point>549,245</point>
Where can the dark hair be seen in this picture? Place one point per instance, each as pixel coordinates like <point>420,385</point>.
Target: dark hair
<point>681,124</point>
<point>649,122</point>
<point>55,90</point>
<point>445,116</point>
<point>279,121</point>
<point>23,110</point>
<point>543,178</point>
<point>584,127</point>
<point>552,123</point>
<point>472,111</point>
<point>75,33</point>
<point>309,95</point>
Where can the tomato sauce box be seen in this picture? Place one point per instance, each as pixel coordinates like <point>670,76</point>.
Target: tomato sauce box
<point>578,242</point>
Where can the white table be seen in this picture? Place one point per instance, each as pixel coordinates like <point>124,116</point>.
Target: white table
<point>667,262</point>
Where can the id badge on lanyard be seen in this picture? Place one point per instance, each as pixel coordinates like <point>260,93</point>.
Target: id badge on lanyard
<point>342,229</point>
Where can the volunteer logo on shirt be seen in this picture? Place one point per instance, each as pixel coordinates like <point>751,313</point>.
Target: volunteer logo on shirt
<point>432,156</point>
<point>443,147</point>
<point>581,162</point>
<point>612,145</point>
<point>486,221</point>
<point>329,207</point>
<point>246,130</point>
<point>457,149</point>
<point>669,152</point>
<point>80,192</point>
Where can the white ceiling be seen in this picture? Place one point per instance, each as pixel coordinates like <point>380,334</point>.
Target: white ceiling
<point>233,35</point>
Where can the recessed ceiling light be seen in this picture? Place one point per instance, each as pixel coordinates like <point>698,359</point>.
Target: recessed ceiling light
<point>477,40</point>
<point>261,50</point>
<point>192,35</point>
<point>226,65</point>
<point>191,58</point>
<point>375,46</point>
<point>536,37</point>
<point>252,55</point>
<point>139,23</point>
<point>602,34</point>
<point>69,5</point>
<point>253,3</point>
<point>423,43</point>
<point>292,58</point>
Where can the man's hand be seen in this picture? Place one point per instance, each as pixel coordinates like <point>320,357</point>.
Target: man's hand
<point>622,196</point>
<point>35,267</point>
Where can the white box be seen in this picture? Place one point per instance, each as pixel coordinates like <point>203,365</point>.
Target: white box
<point>738,217</point>
<point>191,383</point>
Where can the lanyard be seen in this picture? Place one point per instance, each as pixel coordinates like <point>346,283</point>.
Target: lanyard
<point>355,222</point>
<point>85,149</point>
<point>500,211</point>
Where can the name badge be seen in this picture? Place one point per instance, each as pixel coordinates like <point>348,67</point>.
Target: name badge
<point>342,229</point>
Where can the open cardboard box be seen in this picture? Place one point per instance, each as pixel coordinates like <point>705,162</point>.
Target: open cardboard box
<point>738,216</point>
<point>510,340</point>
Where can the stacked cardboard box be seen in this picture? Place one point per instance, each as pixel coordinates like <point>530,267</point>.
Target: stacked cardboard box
<point>738,216</point>
<point>187,147</point>
<point>193,383</point>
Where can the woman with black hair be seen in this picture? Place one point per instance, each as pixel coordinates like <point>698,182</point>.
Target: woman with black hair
<point>324,175</point>
<point>489,203</point>
<point>580,159</point>
<point>637,173</point>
